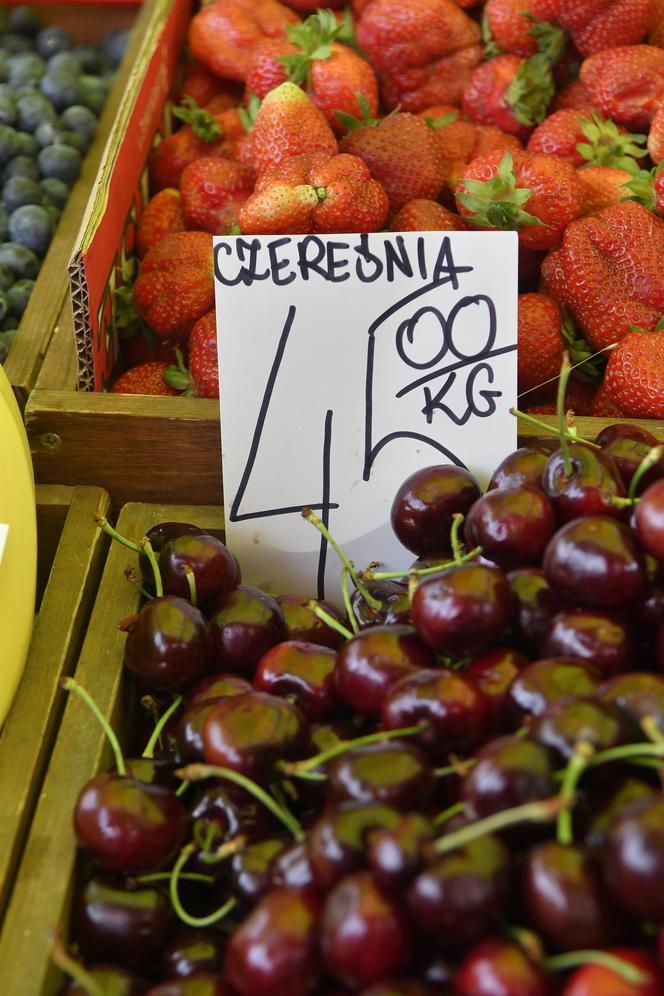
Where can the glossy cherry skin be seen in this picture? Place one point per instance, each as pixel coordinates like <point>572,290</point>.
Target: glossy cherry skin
<point>608,809</point>
<point>365,934</point>
<point>399,987</point>
<point>462,609</point>
<point>634,858</point>
<point>592,636</point>
<point>449,704</point>
<point>523,466</point>
<point>303,673</point>
<point>462,895</point>
<point>250,733</point>
<point>159,536</point>
<point>246,623</point>
<point>302,624</point>
<point>536,605</point>
<point>595,980</point>
<point>112,981</point>
<point>493,671</point>
<point>216,686</point>
<point>508,772</point>
<point>397,774</point>
<point>213,564</point>
<point>638,695</point>
<point>372,662</point>
<point>122,926</point>
<point>547,681</point>
<point>192,952</point>
<point>425,504</point>
<point>590,488</point>
<point>646,615</point>
<point>153,771</point>
<point>168,648</point>
<point>336,843</point>
<point>512,525</point>
<point>191,747</point>
<point>230,811</point>
<point>627,445</point>
<point>292,867</point>
<point>595,562</point>
<point>274,951</point>
<point>499,967</point>
<point>200,984</point>
<point>649,519</point>
<point>396,855</point>
<point>568,722</point>
<point>128,826</point>
<point>250,867</point>
<point>394,607</point>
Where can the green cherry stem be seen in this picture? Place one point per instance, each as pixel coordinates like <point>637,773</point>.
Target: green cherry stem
<point>146,547</point>
<point>105,525</point>
<point>448,813</point>
<point>421,572</point>
<point>318,523</point>
<point>193,921</point>
<point>575,959</point>
<point>181,789</point>
<point>460,767</point>
<point>576,765</point>
<point>156,877</point>
<point>224,851</point>
<point>542,811</point>
<point>345,594</point>
<point>159,728</point>
<point>191,581</point>
<point>67,964</point>
<point>545,427</point>
<point>565,371</point>
<point>70,685</point>
<point>650,727</point>
<point>298,768</point>
<point>329,620</point>
<point>649,461</point>
<point>627,752</point>
<point>457,548</point>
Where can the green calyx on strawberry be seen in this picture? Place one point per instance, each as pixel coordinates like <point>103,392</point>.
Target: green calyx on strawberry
<point>249,113</point>
<point>314,38</point>
<point>442,121</point>
<point>551,38</point>
<point>366,121</point>
<point>643,187</point>
<point>531,91</point>
<point>177,376</point>
<point>498,203</point>
<point>126,315</point>
<point>607,146</point>
<point>491,48</point>
<point>587,365</point>
<point>201,122</point>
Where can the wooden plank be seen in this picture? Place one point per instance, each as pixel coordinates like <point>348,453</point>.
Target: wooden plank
<point>59,371</point>
<point>588,428</point>
<point>42,892</point>
<point>29,731</point>
<point>53,503</point>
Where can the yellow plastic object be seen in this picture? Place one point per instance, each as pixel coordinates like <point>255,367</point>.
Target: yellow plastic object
<point>18,559</point>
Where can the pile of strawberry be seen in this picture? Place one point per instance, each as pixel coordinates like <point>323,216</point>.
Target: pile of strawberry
<point>541,116</point>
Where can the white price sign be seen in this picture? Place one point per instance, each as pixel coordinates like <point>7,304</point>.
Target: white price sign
<point>347,363</point>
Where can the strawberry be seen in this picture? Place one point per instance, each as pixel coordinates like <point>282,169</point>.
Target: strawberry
<point>647,187</point>
<point>579,398</point>
<point>495,189</point>
<point>402,153</point>
<point>574,95</point>
<point>511,93</point>
<point>511,27</point>
<point>204,134</point>
<point>421,215</point>
<point>176,286</point>
<point>315,192</point>
<point>203,360</point>
<point>656,137</point>
<point>634,378</point>
<point>626,83</point>
<point>423,51</point>
<point>143,345</point>
<point>224,34</point>
<point>199,84</point>
<point>603,406</point>
<point>603,186</point>
<point>540,340</point>
<point>595,25</point>
<point>462,141</point>
<point>288,124</point>
<point>308,6</point>
<point>585,138</point>
<point>213,191</point>
<point>161,216</point>
<point>656,36</point>
<point>146,378</point>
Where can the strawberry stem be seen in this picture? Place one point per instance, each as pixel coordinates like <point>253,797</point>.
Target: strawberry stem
<point>203,124</point>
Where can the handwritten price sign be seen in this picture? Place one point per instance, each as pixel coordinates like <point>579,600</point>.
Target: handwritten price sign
<point>347,363</point>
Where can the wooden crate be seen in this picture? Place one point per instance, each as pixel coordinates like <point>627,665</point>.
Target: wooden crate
<point>42,892</point>
<point>71,556</point>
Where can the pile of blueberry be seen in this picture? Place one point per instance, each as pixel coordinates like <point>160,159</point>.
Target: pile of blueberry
<point>51,93</point>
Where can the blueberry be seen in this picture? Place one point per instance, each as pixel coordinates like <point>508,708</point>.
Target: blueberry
<point>62,87</point>
<point>34,109</point>
<point>60,161</point>
<point>94,91</point>
<point>4,306</point>
<point>9,322</point>
<point>4,230</point>
<point>21,166</point>
<point>28,67</point>
<point>27,145</point>
<point>55,191</point>
<point>31,226</point>
<point>66,60</point>
<point>9,143</point>
<point>14,43</point>
<point>48,133</point>
<point>52,40</point>
<point>7,110</point>
<point>18,191</point>
<point>18,296</point>
<point>6,278</point>
<point>114,46</point>
<point>24,21</point>
<point>91,58</point>
<point>54,215</point>
<point>22,262</point>
<point>76,140</point>
<point>80,119</point>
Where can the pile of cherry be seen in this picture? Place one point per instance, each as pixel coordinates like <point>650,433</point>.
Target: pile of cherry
<point>454,788</point>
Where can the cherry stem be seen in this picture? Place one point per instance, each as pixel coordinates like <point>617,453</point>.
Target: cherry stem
<point>370,575</point>
<point>329,620</point>
<point>565,371</point>
<point>460,767</point>
<point>130,575</point>
<point>159,728</point>
<point>146,547</point>
<point>311,517</point>
<point>576,765</point>
<point>198,772</point>
<point>345,594</point>
<point>191,581</point>
<point>545,427</point>
<point>626,752</point>
<point>226,850</point>
<point>650,727</point>
<point>448,813</point>
<point>105,525</point>
<point>413,584</point>
<point>457,548</point>
<point>181,789</point>
<point>67,964</point>
<point>649,461</point>
<point>166,877</point>
<point>296,768</point>
<point>71,685</point>
<point>541,811</point>
<point>573,959</point>
<point>194,921</point>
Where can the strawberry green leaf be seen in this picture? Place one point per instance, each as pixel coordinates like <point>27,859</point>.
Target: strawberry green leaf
<point>202,123</point>
<point>498,203</point>
<point>365,121</point>
<point>660,325</point>
<point>444,119</point>
<point>642,187</point>
<point>178,377</point>
<point>491,49</point>
<point>607,146</point>
<point>249,113</point>
<point>588,365</point>
<point>531,91</point>
<point>551,39</point>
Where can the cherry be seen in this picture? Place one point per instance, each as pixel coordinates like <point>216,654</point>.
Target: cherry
<point>213,565</point>
<point>589,489</point>
<point>627,445</point>
<point>647,612</point>
<point>394,604</point>
<point>192,952</point>
<point>628,791</point>
<point>634,858</point>
<point>397,774</point>
<point>159,536</point>
<point>596,562</point>
<point>499,967</point>
<point>369,664</point>
<point>450,706</point>
<point>639,695</point>
<point>200,984</point>
<point>303,673</point>
<point>513,525</point>
<point>536,605</point>
<point>508,772</point>
<point>593,636</point>
<point>153,770</point>
<point>650,519</point>
<point>216,686</point>
<point>546,681</point>
<point>274,951</point>
<point>250,867</point>
<point>190,741</point>
<point>395,855</point>
<point>523,466</point>
<point>249,733</point>
<point>291,866</point>
<point>424,506</point>
<point>462,895</point>
<point>493,671</point>
<point>168,648</point>
<point>462,609</point>
<point>599,980</point>
<point>110,980</point>
<point>659,649</point>
<point>228,811</point>
<point>302,624</point>
<point>365,934</point>
<point>246,623</point>
<point>336,842</point>
<point>399,987</point>
<point>570,721</point>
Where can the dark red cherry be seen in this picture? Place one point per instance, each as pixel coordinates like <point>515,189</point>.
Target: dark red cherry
<point>122,926</point>
<point>168,648</point>
<point>591,487</point>
<point>292,867</point>
<point>659,649</point>
<point>627,792</point>
<point>638,695</point>
<point>547,681</point>
<point>303,673</point>
<point>399,987</point>
<point>493,671</point>
<point>250,733</point>
<point>508,772</point>
<point>274,951</point>
<point>571,721</point>
<point>634,858</point>
<point>153,771</point>
<point>301,623</point>
<point>370,663</point>
<point>646,614</point>
<point>212,563</point>
<point>462,609</point>
<point>397,774</point>
<point>627,445</point>
<point>192,952</point>
<point>592,636</point>
<point>336,842</point>
<point>365,934</point>
<point>191,746</point>
<point>246,623</point>
<point>512,525</point>
<point>394,607</point>
<point>250,867</point>
<point>159,536</point>
<point>596,562</point>
<point>464,894</point>
<point>425,504</point>
<point>449,704</point>
<point>536,605</point>
<point>649,519</point>
<point>227,811</point>
<point>598,980</point>
<point>500,967</point>
<point>200,984</point>
<point>396,855</point>
<point>112,981</point>
<point>523,466</point>
<point>128,826</point>
<point>216,686</point>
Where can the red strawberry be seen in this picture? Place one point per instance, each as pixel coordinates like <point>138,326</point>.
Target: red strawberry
<point>603,186</point>
<point>579,398</point>
<point>647,187</point>
<point>308,6</point>
<point>315,193</point>
<point>288,124</point>
<point>203,360</point>
<point>199,84</point>
<point>143,346</point>
<point>656,137</point>
<point>176,286</point>
<point>634,377</point>
<point>266,70</point>
<point>161,216</point>
<point>582,137</point>
<point>495,191</point>
<point>513,28</point>
<point>603,406</point>
<point>462,141</point>
<point>574,95</point>
<point>423,51</point>
<point>540,340</point>
<point>402,153</point>
<point>224,34</point>
<point>213,191</point>
<point>146,378</point>
<point>421,215</point>
<point>511,93</point>
<point>595,25</point>
<point>203,135</point>
<point>626,83</point>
